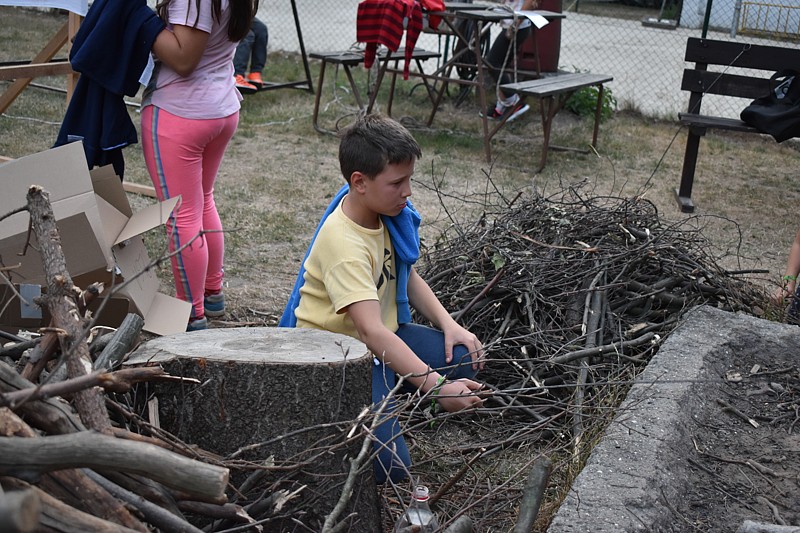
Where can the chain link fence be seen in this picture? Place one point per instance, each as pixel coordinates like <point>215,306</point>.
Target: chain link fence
<point>641,46</point>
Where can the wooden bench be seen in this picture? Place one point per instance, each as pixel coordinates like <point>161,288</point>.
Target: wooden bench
<point>389,63</point>
<point>346,59</point>
<point>699,81</point>
<point>553,90</point>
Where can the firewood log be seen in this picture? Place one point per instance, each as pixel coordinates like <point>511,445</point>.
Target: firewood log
<point>159,517</point>
<point>121,343</point>
<point>146,488</point>
<point>23,456</point>
<point>60,301</point>
<point>19,511</point>
<point>74,488</point>
<point>748,526</point>
<point>53,416</point>
<point>533,495</point>
<point>58,516</point>
<point>462,525</point>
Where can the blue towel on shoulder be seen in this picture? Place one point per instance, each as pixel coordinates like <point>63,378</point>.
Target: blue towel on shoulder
<point>404,234</point>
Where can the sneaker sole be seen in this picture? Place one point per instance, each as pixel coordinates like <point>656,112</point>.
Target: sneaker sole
<point>519,112</point>
<point>214,313</point>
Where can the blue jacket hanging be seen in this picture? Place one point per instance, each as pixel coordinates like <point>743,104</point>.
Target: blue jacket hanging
<point>110,51</point>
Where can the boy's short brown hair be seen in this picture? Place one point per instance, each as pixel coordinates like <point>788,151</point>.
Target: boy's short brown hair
<point>372,142</point>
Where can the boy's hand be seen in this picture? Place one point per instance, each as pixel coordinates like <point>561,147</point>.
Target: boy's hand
<point>459,395</point>
<point>780,296</point>
<point>456,335</point>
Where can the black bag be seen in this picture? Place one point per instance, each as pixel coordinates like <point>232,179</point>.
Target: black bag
<point>778,113</point>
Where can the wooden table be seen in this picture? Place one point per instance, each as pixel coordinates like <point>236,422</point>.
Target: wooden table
<point>553,90</point>
<point>481,20</point>
<point>389,63</point>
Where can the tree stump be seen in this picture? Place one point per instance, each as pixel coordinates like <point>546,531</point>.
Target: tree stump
<point>272,395</point>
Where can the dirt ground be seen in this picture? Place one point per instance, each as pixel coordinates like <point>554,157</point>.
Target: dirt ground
<point>744,457</point>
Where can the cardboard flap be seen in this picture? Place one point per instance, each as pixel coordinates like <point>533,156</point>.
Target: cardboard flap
<point>108,186</point>
<point>64,174</point>
<point>167,315</point>
<point>62,171</point>
<point>148,218</point>
<point>86,256</point>
<point>141,283</point>
<point>113,221</point>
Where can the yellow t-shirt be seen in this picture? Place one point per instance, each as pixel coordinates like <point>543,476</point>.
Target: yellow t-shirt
<point>347,263</point>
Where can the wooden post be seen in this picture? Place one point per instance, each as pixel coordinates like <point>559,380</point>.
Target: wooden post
<point>73,23</point>
<point>41,66</point>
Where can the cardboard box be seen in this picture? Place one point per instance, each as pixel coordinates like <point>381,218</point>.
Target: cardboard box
<point>100,235</point>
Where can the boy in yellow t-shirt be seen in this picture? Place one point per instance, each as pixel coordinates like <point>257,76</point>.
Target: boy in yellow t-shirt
<point>358,279</point>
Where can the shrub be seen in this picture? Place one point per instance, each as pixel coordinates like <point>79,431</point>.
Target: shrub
<point>583,102</point>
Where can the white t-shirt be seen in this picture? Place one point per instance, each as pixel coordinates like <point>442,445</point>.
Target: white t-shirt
<point>515,5</point>
<point>209,91</point>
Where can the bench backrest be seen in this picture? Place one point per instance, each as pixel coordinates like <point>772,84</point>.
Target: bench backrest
<point>720,55</point>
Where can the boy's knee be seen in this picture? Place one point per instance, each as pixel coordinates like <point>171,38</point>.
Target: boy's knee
<point>463,358</point>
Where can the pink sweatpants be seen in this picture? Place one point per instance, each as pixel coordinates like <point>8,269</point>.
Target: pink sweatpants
<point>182,157</point>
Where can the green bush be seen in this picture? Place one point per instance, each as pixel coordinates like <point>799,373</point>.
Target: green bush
<point>583,102</point>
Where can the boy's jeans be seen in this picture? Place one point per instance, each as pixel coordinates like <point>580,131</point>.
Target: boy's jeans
<point>393,459</point>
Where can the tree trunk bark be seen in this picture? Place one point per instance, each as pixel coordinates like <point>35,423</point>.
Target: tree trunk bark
<point>19,511</point>
<point>89,403</point>
<point>97,451</point>
<point>277,396</point>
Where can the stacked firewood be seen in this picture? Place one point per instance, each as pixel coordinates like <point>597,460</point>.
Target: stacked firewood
<point>64,466</point>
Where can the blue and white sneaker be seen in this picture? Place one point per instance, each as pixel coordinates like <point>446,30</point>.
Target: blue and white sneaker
<point>214,305</point>
<point>197,324</point>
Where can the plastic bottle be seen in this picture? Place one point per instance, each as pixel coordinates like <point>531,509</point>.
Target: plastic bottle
<point>418,517</point>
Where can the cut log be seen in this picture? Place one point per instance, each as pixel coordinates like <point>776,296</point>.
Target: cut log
<point>121,343</point>
<point>58,516</point>
<point>74,488</point>
<point>533,495</point>
<point>52,415</point>
<point>89,403</point>
<point>159,517</point>
<point>462,525</point>
<point>24,456</point>
<point>272,392</point>
<point>19,511</point>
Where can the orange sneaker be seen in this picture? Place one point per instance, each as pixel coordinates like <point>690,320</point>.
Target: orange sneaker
<point>254,78</point>
<point>243,86</point>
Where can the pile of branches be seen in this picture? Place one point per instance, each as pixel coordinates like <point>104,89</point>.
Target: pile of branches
<point>572,296</point>
<point>555,285</point>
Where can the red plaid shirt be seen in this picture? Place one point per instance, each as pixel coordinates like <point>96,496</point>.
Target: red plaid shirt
<point>383,22</point>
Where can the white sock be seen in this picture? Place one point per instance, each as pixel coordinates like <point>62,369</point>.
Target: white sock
<point>509,102</point>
